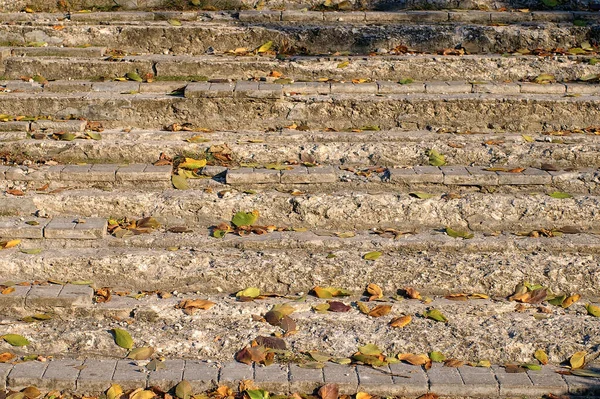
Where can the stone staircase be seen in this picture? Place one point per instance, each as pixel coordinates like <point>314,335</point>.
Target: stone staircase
<point>372,138</point>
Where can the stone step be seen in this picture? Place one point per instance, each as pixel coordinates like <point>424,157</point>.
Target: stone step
<point>354,208</point>
<point>286,261</point>
<point>257,106</point>
<point>58,227</point>
<point>306,34</point>
<point>394,380</point>
<point>352,149</point>
<point>419,67</point>
<point>474,330</point>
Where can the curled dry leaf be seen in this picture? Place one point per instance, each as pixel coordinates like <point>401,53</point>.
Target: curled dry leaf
<point>339,307</point>
<point>102,295</point>
<point>375,291</point>
<point>412,293</point>
<point>9,244</point>
<point>6,357</point>
<point>189,306</point>
<point>380,310</point>
<point>415,360</point>
<point>114,392</point>
<point>453,363</point>
<point>329,391</point>
<point>401,321</point>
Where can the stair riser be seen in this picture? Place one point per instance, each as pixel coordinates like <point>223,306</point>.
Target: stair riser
<point>196,39</point>
<point>361,154</point>
<point>420,69</point>
<point>467,112</point>
<point>333,211</point>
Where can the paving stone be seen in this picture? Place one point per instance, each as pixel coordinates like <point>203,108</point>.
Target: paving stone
<point>53,51</point>
<point>77,294</point>
<point>157,173</point>
<point>44,296</point>
<point>562,176</point>
<point>219,90</point>
<point>298,16</point>
<point>68,86</point>
<point>497,88</point>
<point>131,16</point>
<point>445,380</point>
<point>512,384</point>
<point>385,87</point>
<point>416,385</point>
<point>582,385</point>
<point>479,381</point>
<point>427,16</point>
<point>245,89</point>
<point>20,86</point>
<point>344,376</point>
<point>5,52</point>
<point>91,229</point>
<point>53,172</point>
<point>354,88</point>
<point>116,87</point>
<point>552,16</point>
<point>448,87</point>
<point>179,15</point>
<point>535,88</point>
<point>103,172</point>
<point>307,88</point>
<point>3,169</point>
<point>249,175</point>
<point>322,174</point>
<point>213,171</point>
<point>23,173</point>
<point>582,88</point>
<point>75,172</point>
<point>273,378</point>
<point>510,17</point>
<point>168,377</point>
<point>4,371</point>
<point>26,374</point>
<point>375,381</point>
<point>197,90</point>
<point>201,375</point>
<point>61,375</point>
<point>456,175</point>
<point>259,16</point>
<point>16,228</point>
<point>429,174</point>
<point>376,16</point>
<point>404,175</point>
<point>528,176</point>
<point>471,16</point>
<point>59,126</point>
<point>14,126</point>
<point>130,172</point>
<point>15,298</point>
<point>348,16</point>
<point>305,380</point>
<point>232,373</point>
<point>270,90</point>
<point>482,177</point>
<point>129,375</point>
<point>298,174</point>
<point>548,381</point>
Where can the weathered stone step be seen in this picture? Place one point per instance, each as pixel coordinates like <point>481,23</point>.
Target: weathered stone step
<point>474,330</point>
<point>311,37</point>
<point>419,67</point>
<point>358,149</point>
<point>262,106</point>
<point>57,227</point>
<point>356,209</point>
<point>394,380</point>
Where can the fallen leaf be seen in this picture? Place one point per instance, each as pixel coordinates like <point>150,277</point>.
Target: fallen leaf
<point>6,357</point>
<point>560,195</point>
<point>15,192</point>
<point>189,306</point>
<point>541,356</point>
<point>343,64</point>
<point>421,195</point>
<point>459,234</point>
<point>436,315</point>
<point>179,182</point>
<point>114,392</point>
<point>370,349</point>
<point>374,255</point>
<point>192,164</point>
<point>142,394</point>
<point>436,159</point>
<point>375,291</point>
<point>415,360</point>
<point>265,47</point>
<point>141,353</point>
<point>338,307</point>
<point>250,292</point>
<point>183,390</point>
<point>380,310</point>
<point>122,338</point>
<point>437,357</point>
<point>412,293</point>
<point>593,310</point>
<point>174,22</point>
<point>570,300</point>
<point>453,363</point>
<point>401,321</point>
<point>329,391</point>
<point>15,339</point>
<point>577,360</point>
<point>245,218</point>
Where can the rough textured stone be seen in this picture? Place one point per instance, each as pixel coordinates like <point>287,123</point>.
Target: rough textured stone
<point>304,379</point>
<point>231,374</point>
<point>16,228</point>
<point>344,376</point>
<point>273,378</point>
<point>479,381</point>
<point>547,380</point>
<point>513,383</point>
<point>167,377</point>
<point>5,369</point>
<point>61,375</point>
<point>416,385</point>
<point>129,375</point>
<point>446,380</point>
<point>376,381</point>
<point>26,374</point>
<point>201,375</point>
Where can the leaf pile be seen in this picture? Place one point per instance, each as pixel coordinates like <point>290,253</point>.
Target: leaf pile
<point>124,227</point>
<point>529,293</point>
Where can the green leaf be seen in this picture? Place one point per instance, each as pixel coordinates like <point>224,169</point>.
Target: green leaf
<point>421,195</point>
<point>576,51</point>
<point>15,339</point>
<point>122,338</point>
<point>265,47</point>
<point>437,357</point>
<point>374,255</point>
<point>174,22</point>
<point>155,365</point>
<point>560,195</point>
<point>251,292</point>
<point>405,81</point>
<point>436,159</point>
<point>594,61</point>
<point>579,22</point>
<point>257,394</point>
<point>593,310</point>
<point>527,138</point>
<point>532,366</point>
<point>544,78</point>
<point>67,136</point>
<point>370,349</point>
<point>31,251</point>
<point>557,301</point>
<point>586,373</point>
<point>374,128</point>
<point>183,390</point>
<point>459,234</point>
<point>141,353</point>
<point>179,182</point>
<point>218,233</point>
<point>245,218</point>
<point>94,135</point>
<point>343,64</point>
<point>374,361</point>
<point>134,76</point>
<point>436,315</point>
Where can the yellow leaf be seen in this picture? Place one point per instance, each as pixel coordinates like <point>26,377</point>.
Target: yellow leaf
<point>541,356</point>
<point>401,321</point>
<point>265,47</point>
<point>527,138</point>
<point>375,291</point>
<point>145,394</point>
<point>415,360</point>
<point>593,310</point>
<point>577,360</point>
<point>193,164</point>
<point>343,64</point>
<point>9,244</point>
<point>114,392</point>
<point>363,395</point>
<point>571,300</point>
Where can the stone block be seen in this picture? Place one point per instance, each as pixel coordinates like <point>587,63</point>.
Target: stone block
<point>103,172</point>
<point>232,373</point>
<point>3,169</point>
<point>197,90</point>
<point>129,375</point>
<point>482,177</point>
<point>179,15</point>
<point>157,173</point>
<point>302,16</point>
<point>17,228</point>
<point>5,369</point>
<point>213,171</point>
<point>165,87</point>
<point>417,384</point>
<point>479,381</point>
<point>497,88</point>
<point>130,172</point>
<point>14,299</point>
<point>89,229</point>
<point>75,173</point>
<point>550,88</point>
<point>272,378</point>
<point>381,16</point>
<point>448,87</point>
<point>61,375</point>
<point>582,88</point>
<point>22,173</point>
<point>547,381</point>
<point>445,380</point>
<point>112,16</point>
<point>376,381</point>
<point>201,375</point>
<point>552,16</point>
<point>116,87</point>
<point>271,91</point>
<point>427,16</point>
<point>305,380</point>
<point>354,88</point>
<point>259,16</point>
<point>527,177</point>
<point>322,174</point>
<point>26,374</point>
<point>168,377</point>
<point>512,384</point>
<point>582,386</point>
<point>43,296</point>
<point>456,175</point>
<point>510,17</point>
<point>77,294</point>
<point>14,126</point>
<point>403,176</point>
<point>298,174</point>
<point>68,86</point>
<point>344,376</point>
<point>20,86</point>
<point>53,51</point>
<point>219,90</point>
<point>471,16</point>
<point>348,16</point>
<point>304,88</point>
<point>386,87</point>
<point>429,174</point>
<point>249,175</point>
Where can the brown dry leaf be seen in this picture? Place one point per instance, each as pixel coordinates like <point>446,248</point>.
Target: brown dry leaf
<point>15,192</point>
<point>103,295</point>
<point>415,360</point>
<point>224,391</point>
<point>457,297</point>
<point>453,363</point>
<point>494,142</point>
<point>429,395</point>
<point>380,310</point>
<point>338,307</point>
<point>375,291</point>
<point>401,321</point>
<point>189,306</point>
<point>363,395</point>
<point>516,170</point>
<point>7,290</point>
<point>362,307</point>
<point>9,244</point>
<point>412,293</point>
<point>329,391</point>
<point>275,74</point>
<point>6,357</point>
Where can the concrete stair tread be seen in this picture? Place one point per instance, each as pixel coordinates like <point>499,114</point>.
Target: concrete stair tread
<point>462,337</point>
